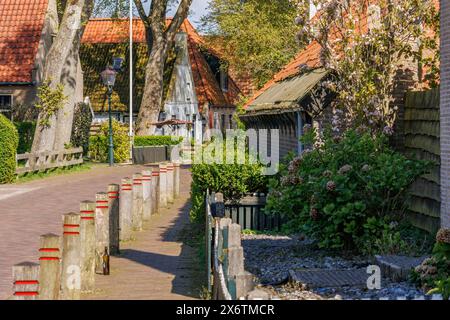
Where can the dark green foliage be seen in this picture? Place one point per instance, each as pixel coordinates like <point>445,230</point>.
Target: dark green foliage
<point>26,134</point>
<point>145,141</point>
<point>349,193</point>
<point>9,140</point>
<point>82,120</point>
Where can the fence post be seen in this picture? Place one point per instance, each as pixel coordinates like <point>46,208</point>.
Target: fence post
<point>101,229</point>
<point>87,239</point>
<point>176,179</point>
<point>155,190</point>
<point>71,257</point>
<point>162,186</point>
<point>126,209</point>
<point>137,202</point>
<point>49,267</point>
<point>147,194</point>
<point>26,281</point>
<point>113,198</point>
<point>169,178</point>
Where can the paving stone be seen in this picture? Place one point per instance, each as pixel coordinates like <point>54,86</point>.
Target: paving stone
<point>397,268</point>
<point>318,278</point>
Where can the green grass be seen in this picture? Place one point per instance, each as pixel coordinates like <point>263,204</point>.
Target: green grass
<point>26,177</point>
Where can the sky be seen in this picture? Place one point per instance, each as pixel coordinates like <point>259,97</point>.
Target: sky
<point>198,9</point>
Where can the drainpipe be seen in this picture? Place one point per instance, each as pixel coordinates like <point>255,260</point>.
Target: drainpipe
<point>299,132</point>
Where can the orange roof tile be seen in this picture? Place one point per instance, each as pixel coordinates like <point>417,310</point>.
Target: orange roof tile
<point>21,24</point>
<point>207,88</point>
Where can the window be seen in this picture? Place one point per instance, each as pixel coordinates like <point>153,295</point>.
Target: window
<point>6,105</point>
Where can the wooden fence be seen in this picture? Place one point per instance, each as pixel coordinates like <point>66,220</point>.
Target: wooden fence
<point>33,162</point>
<point>248,213</point>
<point>421,125</point>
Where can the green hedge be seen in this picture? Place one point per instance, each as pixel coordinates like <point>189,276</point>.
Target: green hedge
<point>9,140</point>
<point>82,120</point>
<point>98,144</point>
<point>26,134</point>
<point>145,141</point>
<point>233,180</point>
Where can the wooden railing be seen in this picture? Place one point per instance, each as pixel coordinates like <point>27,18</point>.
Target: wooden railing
<point>33,162</point>
<point>227,278</point>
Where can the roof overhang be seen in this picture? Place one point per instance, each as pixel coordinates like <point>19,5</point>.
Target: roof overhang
<point>286,95</point>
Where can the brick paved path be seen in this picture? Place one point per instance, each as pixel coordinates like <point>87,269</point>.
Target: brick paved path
<point>31,209</point>
<point>156,265</point>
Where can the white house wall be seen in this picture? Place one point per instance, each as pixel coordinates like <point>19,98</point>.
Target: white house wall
<point>181,102</point>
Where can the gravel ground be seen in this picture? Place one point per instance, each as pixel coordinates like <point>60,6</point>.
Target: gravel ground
<point>270,258</point>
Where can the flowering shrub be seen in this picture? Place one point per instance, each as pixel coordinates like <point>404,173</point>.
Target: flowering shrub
<point>368,45</point>
<point>434,272</point>
<point>347,192</point>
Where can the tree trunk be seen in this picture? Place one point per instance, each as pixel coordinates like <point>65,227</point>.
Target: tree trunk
<point>59,67</point>
<point>153,90</point>
<point>160,41</point>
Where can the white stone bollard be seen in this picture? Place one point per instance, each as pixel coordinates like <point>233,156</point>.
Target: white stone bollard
<point>147,194</point>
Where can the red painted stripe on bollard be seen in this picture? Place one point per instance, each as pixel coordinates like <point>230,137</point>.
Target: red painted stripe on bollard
<point>26,293</point>
<point>49,258</point>
<point>87,211</point>
<point>48,250</point>
<point>114,197</point>
<point>87,218</point>
<point>155,174</point>
<point>113,192</point>
<point>26,282</point>
<point>70,232</point>
<point>127,189</point>
<point>71,225</point>
<point>102,207</point>
<point>102,201</point>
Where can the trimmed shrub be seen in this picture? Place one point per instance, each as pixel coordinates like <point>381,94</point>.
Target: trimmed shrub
<point>9,140</point>
<point>26,134</point>
<point>348,192</point>
<point>82,120</point>
<point>145,141</point>
<point>98,145</point>
<point>233,180</point>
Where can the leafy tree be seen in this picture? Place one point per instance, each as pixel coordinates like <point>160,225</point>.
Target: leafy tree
<point>367,44</point>
<point>254,36</point>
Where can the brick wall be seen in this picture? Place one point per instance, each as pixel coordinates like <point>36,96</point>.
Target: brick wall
<point>445,114</point>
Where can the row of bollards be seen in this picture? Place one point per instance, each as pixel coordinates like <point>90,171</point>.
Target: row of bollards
<point>68,264</point>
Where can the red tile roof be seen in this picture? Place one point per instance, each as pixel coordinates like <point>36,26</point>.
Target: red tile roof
<point>207,88</point>
<point>21,24</point>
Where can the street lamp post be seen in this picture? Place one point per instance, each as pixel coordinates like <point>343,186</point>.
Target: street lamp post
<point>109,79</point>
